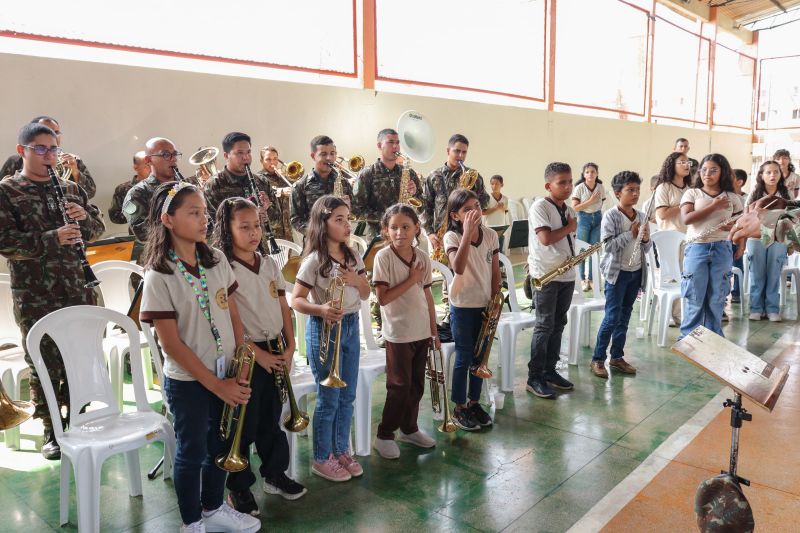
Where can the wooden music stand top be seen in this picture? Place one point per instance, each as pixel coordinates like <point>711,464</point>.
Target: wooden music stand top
<point>734,366</point>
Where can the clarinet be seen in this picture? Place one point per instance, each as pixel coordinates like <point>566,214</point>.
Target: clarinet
<point>178,175</point>
<point>273,246</point>
<point>91,279</point>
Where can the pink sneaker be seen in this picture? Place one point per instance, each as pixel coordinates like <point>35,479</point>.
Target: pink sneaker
<point>331,469</point>
<point>352,466</point>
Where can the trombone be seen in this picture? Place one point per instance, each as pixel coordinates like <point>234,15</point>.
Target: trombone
<point>289,174</point>
<point>335,295</point>
<point>296,420</point>
<point>244,360</point>
<point>348,167</point>
<point>438,382</point>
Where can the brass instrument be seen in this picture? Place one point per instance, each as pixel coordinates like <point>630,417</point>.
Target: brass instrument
<point>291,268</point>
<point>296,420</point>
<point>405,178</point>
<point>491,317</point>
<point>637,247</point>
<point>91,279</point>
<point>570,263</point>
<point>467,180</point>
<point>12,412</point>
<point>289,174</point>
<point>205,158</point>
<point>62,170</point>
<point>244,360</point>
<point>335,295</point>
<point>273,247</point>
<point>438,381</point>
<point>350,166</point>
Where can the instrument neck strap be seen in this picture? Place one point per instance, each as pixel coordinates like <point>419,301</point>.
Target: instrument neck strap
<point>563,214</point>
<point>201,294</point>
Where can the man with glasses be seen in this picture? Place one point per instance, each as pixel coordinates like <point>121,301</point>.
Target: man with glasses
<point>45,267</point>
<point>161,156</point>
<point>80,174</point>
<point>233,181</point>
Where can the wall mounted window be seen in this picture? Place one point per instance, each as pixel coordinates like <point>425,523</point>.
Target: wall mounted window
<point>733,88</point>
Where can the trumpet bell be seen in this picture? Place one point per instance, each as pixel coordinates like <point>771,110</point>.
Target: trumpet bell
<point>416,136</point>
<point>296,424</point>
<point>294,171</point>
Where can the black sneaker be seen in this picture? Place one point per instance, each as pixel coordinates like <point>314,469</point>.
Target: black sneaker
<point>464,419</point>
<point>480,416</point>
<point>538,387</point>
<point>284,486</point>
<point>555,380</point>
<point>244,502</point>
<point>50,448</point>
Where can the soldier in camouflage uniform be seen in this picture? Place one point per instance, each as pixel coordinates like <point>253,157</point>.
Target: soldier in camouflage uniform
<point>46,273</point>
<point>318,182</point>
<point>282,227</point>
<point>80,174</point>
<point>141,170</point>
<point>232,181</point>
<point>441,182</point>
<point>378,185</point>
<point>161,155</point>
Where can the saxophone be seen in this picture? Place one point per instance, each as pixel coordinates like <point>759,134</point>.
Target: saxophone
<point>467,181</point>
<point>405,178</point>
<point>567,265</point>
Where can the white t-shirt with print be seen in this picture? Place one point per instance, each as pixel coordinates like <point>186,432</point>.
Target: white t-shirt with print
<point>497,218</point>
<point>582,193</point>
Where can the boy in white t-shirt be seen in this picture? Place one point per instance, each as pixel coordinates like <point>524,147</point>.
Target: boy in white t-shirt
<point>497,211</point>
<point>551,241</point>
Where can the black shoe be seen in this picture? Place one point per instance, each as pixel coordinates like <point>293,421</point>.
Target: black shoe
<point>464,419</point>
<point>480,416</point>
<point>736,299</point>
<point>50,449</point>
<point>555,380</point>
<point>538,387</point>
<point>284,486</point>
<point>244,502</point>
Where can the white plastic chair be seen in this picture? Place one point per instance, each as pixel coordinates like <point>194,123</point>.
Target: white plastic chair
<point>303,384</point>
<point>13,367</point>
<point>97,434</point>
<point>517,210</point>
<point>511,323</point>
<point>527,203</point>
<point>792,268</point>
<point>371,365</point>
<point>359,244</point>
<point>286,249</point>
<point>580,311</point>
<point>666,281</point>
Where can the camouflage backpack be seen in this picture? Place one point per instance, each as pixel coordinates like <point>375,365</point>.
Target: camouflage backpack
<point>721,506</point>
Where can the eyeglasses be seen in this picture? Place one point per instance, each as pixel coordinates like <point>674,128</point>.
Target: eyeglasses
<point>684,163</point>
<point>40,149</point>
<point>168,156</point>
<point>709,171</point>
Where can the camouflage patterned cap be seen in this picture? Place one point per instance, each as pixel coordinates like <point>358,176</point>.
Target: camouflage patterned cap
<point>721,506</point>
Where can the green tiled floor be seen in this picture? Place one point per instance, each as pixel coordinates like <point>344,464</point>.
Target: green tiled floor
<point>540,468</point>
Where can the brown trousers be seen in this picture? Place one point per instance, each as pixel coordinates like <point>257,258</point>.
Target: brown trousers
<point>405,385</point>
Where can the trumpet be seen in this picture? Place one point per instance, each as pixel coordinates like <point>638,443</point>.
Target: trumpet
<point>244,360</point>
<point>483,346</point>
<point>405,179</point>
<point>438,382</point>
<point>273,246</point>
<point>565,267</point>
<point>335,295</point>
<point>296,420</point>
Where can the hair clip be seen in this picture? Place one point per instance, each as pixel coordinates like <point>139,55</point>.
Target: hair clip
<point>326,211</point>
<point>171,194</point>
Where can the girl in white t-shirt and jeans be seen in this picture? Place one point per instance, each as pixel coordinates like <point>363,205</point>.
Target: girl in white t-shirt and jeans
<point>587,199</point>
<point>187,289</point>
<point>472,252</point>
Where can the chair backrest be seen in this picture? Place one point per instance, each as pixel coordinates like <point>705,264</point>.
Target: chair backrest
<point>366,327</point>
<point>359,244</point>
<point>446,273</point>
<point>505,262</point>
<point>78,333</point>
<point>527,203</point>
<point>517,210</point>
<point>9,331</point>
<point>286,248</point>
<point>114,276</point>
<point>155,355</point>
<point>668,243</point>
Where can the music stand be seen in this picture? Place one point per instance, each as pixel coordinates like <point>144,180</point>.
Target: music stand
<point>747,374</point>
<point>519,234</point>
<point>499,229</point>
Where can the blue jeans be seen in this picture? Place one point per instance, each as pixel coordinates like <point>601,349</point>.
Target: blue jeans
<point>465,323</point>
<point>588,231</point>
<point>334,408</point>
<point>739,263</point>
<point>619,304</point>
<point>705,284</point>
<point>196,414</point>
<point>765,275</point>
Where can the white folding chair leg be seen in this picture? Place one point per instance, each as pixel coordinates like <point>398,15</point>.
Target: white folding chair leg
<point>9,385</point>
<point>363,411</point>
<point>663,319</point>
<point>573,342</point>
<point>654,304</point>
<point>87,487</point>
<point>63,503</point>
<point>507,357</point>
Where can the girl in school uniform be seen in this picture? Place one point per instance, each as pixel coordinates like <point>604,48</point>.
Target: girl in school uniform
<point>187,297</point>
<point>265,314</point>
<point>707,262</point>
<point>472,252</point>
<point>326,256</point>
<point>587,199</point>
<point>402,279</point>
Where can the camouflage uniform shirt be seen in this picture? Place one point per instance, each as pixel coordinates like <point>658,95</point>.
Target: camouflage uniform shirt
<point>438,186</point>
<point>115,211</point>
<point>14,163</point>
<point>136,205</point>
<point>308,190</point>
<point>283,205</point>
<point>378,188</point>
<point>226,185</point>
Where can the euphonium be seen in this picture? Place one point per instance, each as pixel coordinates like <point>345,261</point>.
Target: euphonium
<point>405,179</point>
<point>13,412</point>
<point>335,295</point>
<point>467,180</point>
<point>438,381</point>
<point>483,346</point>
<point>296,420</point>
<point>205,159</point>
<point>570,263</point>
<point>244,360</point>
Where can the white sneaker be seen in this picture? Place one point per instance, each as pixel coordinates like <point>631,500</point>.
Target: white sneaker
<point>228,519</point>
<point>419,438</point>
<point>386,448</point>
<point>774,317</point>
<point>755,316</point>
<point>195,527</point>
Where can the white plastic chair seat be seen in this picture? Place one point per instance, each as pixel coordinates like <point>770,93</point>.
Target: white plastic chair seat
<point>371,365</point>
<point>509,325</point>
<point>303,384</point>
<point>118,430</point>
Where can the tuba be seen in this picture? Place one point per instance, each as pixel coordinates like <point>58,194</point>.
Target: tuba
<point>244,360</point>
<point>438,381</point>
<point>335,295</point>
<point>296,420</point>
<point>491,317</point>
<point>405,178</point>
<point>467,180</point>
<point>12,412</point>
<point>205,158</point>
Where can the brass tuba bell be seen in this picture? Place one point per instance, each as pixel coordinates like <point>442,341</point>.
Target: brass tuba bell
<point>206,159</point>
<point>13,412</point>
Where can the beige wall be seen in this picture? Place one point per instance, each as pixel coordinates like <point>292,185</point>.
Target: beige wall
<point>108,112</point>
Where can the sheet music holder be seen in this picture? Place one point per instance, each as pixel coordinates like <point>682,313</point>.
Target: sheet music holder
<point>519,234</point>
<point>500,229</point>
<point>747,374</point>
